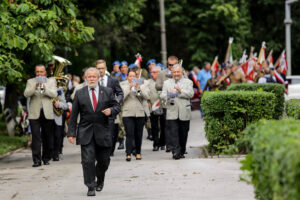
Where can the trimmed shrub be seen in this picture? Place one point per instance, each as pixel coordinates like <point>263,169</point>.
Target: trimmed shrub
<point>277,89</point>
<point>292,108</point>
<point>273,162</point>
<point>228,113</point>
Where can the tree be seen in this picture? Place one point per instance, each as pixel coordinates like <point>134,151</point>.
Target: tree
<point>115,23</point>
<point>30,33</point>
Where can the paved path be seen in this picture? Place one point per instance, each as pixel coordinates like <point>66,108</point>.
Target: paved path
<point>157,176</point>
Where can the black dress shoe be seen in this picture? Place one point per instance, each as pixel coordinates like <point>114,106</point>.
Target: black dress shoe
<point>182,156</point>
<point>91,192</point>
<point>46,163</point>
<point>168,150</point>
<point>121,146</point>
<point>36,164</point>
<point>56,159</point>
<point>176,156</point>
<point>156,148</point>
<point>99,186</point>
<point>128,158</point>
<point>162,148</point>
<point>150,137</point>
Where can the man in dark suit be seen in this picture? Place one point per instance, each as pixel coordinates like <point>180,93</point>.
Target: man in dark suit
<point>95,104</point>
<point>108,81</point>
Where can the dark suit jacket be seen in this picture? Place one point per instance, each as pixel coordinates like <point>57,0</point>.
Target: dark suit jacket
<point>93,123</point>
<point>114,84</point>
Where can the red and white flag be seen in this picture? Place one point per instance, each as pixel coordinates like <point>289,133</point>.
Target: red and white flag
<point>156,105</point>
<point>270,59</point>
<point>215,64</point>
<point>244,57</point>
<point>138,60</point>
<point>282,62</point>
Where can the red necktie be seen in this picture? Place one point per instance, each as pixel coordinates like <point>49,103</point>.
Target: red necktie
<point>94,99</point>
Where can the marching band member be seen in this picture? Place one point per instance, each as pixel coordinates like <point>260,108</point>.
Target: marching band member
<point>135,109</point>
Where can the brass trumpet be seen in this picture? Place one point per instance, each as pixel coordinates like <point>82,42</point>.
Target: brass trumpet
<point>61,80</point>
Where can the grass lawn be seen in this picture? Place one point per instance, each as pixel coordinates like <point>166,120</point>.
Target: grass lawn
<point>7,143</point>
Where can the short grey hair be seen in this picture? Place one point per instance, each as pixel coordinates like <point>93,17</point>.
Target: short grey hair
<point>92,69</point>
<point>178,65</point>
<point>156,67</point>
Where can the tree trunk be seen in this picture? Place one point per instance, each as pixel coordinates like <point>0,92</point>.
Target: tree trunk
<point>11,103</point>
<point>11,99</point>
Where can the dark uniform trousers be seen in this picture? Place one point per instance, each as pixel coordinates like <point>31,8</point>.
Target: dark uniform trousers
<point>134,133</point>
<point>177,135</point>
<point>115,133</point>
<point>58,137</point>
<point>42,133</point>
<point>166,140</point>
<point>157,120</point>
<point>95,161</point>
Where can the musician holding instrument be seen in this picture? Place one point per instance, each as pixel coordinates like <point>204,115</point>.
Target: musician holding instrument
<point>134,110</point>
<point>60,105</point>
<point>41,90</point>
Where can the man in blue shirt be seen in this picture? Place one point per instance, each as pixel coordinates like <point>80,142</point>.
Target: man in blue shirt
<point>203,76</point>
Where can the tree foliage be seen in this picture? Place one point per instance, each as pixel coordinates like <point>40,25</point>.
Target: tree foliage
<point>31,31</point>
<point>115,23</point>
<point>206,26</point>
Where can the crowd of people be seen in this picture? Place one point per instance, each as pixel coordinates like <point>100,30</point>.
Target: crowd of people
<point>107,108</point>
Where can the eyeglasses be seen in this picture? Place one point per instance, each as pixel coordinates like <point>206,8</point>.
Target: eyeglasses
<point>171,65</point>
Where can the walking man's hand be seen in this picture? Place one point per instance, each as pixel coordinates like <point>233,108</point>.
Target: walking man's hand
<point>72,140</point>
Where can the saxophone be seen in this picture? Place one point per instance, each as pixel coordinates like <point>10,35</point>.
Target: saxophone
<point>61,80</point>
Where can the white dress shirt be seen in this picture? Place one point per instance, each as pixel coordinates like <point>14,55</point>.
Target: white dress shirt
<point>105,78</point>
<point>96,94</point>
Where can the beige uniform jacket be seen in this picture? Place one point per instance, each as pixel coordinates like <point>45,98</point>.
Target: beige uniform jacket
<point>182,106</point>
<point>38,100</point>
<point>134,106</point>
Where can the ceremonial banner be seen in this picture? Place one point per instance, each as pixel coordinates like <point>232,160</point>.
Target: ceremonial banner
<point>138,60</point>
<point>282,62</point>
<point>228,57</point>
<point>262,54</point>
<point>270,59</point>
<point>215,64</point>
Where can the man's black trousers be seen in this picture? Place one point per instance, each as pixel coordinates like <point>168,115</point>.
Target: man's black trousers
<point>177,135</point>
<point>95,161</point>
<point>42,133</point>
<point>156,121</point>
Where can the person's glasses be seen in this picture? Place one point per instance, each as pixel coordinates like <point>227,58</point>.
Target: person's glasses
<point>171,65</point>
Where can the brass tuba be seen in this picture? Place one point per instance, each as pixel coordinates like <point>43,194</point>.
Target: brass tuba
<point>61,80</point>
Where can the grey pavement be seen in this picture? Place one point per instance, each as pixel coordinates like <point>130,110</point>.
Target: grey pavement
<point>156,176</point>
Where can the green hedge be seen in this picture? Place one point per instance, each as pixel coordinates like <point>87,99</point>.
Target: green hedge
<point>292,108</point>
<point>227,113</point>
<point>273,162</point>
<point>277,89</point>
